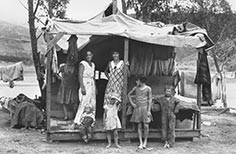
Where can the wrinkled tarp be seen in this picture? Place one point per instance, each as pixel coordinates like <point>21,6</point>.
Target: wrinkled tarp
<point>122,25</point>
<point>27,115</point>
<point>25,112</point>
<point>12,72</point>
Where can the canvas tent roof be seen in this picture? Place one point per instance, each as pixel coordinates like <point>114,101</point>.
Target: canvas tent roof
<point>122,25</point>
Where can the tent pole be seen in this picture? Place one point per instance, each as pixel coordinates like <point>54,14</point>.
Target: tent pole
<point>126,56</point>
<point>48,91</point>
<point>114,6</point>
<point>199,91</point>
<point>52,42</point>
<point>199,97</point>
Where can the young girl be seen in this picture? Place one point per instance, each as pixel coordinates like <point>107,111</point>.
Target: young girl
<point>142,109</point>
<point>168,104</point>
<point>111,119</point>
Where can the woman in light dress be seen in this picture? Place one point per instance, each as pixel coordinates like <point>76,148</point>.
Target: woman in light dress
<point>87,91</point>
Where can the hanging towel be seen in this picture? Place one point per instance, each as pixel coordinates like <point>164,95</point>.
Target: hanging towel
<point>12,72</point>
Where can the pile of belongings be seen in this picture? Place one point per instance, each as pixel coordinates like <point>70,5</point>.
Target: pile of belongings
<point>24,112</point>
<point>12,73</point>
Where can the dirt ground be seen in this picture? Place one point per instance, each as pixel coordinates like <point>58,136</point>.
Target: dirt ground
<point>221,131</point>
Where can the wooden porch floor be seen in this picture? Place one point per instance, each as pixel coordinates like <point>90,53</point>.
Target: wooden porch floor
<point>60,131</point>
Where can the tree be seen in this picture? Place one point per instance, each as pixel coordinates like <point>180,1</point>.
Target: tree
<point>146,8</point>
<point>204,13</point>
<point>54,8</point>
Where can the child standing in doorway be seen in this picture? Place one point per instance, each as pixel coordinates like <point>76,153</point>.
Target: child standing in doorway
<point>142,109</point>
<point>111,119</point>
<point>168,106</point>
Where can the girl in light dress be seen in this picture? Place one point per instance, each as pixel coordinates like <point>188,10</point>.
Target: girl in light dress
<point>111,119</point>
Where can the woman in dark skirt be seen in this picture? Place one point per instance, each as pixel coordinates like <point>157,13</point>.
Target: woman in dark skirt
<point>68,90</point>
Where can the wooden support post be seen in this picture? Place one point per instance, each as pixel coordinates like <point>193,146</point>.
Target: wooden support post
<point>182,84</point>
<point>125,86</point>
<point>114,6</point>
<point>199,95</point>
<point>194,120</point>
<point>199,100</point>
<point>52,42</point>
<point>48,91</point>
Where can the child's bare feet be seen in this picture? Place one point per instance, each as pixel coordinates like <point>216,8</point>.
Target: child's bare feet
<point>118,146</point>
<point>84,137</point>
<point>108,146</point>
<point>167,145</point>
<point>72,126</point>
<point>89,136</point>
<point>144,145</point>
<point>140,146</point>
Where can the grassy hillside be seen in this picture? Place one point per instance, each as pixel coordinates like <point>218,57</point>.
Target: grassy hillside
<point>15,43</point>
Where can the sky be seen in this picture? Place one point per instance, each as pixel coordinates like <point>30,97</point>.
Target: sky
<point>13,12</point>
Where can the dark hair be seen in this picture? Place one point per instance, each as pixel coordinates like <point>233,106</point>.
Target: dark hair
<point>142,79</point>
<point>85,53</point>
<point>114,51</point>
<point>169,87</point>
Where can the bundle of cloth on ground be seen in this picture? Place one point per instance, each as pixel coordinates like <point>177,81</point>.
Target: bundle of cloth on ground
<point>12,72</point>
<point>24,112</point>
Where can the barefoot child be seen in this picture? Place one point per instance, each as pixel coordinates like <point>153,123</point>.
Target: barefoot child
<point>87,120</point>
<point>168,104</point>
<point>111,119</point>
<point>142,108</point>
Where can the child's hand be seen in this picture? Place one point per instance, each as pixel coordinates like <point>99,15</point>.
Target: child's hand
<point>149,113</point>
<point>83,90</point>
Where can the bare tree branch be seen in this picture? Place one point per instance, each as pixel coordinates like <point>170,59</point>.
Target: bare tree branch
<point>36,8</point>
<point>39,35</point>
<point>34,14</point>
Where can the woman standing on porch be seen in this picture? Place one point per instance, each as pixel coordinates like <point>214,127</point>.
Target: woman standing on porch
<point>87,91</point>
<point>115,75</point>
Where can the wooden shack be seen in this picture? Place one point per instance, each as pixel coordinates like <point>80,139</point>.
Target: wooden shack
<point>149,48</point>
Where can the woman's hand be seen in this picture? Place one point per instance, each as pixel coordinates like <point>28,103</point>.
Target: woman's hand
<point>134,105</point>
<point>149,114</point>
<point>127,63</point>
<point>83,90</point>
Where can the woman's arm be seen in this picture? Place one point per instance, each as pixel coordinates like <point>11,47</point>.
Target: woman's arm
<point>126,67</point>
<point>81,72</point>
<point>107,71</point>
<point>94,78</point>
<point>149,99</point>
<point>130,99</point>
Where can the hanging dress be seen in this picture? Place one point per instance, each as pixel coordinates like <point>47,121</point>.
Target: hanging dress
<point>90,97</point>
<point>115,81</point>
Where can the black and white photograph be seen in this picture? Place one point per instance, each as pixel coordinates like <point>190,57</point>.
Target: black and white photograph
<point>117,77</point>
